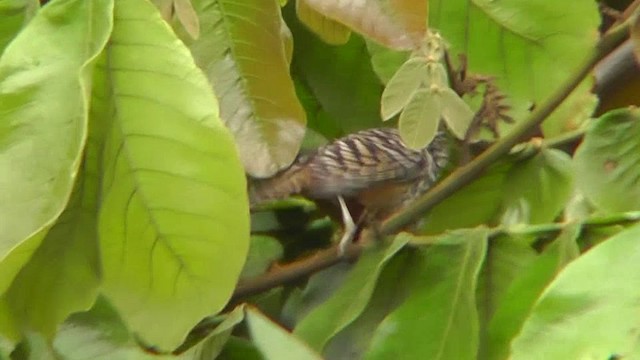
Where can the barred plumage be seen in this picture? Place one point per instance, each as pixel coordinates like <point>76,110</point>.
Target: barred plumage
<point>372,166</point>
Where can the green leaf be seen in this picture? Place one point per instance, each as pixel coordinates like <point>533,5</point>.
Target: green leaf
<point>339,77</point>
<point>14,14</point>
<point>98,334</point>
<point>455,112</point>
<point>536,190</point>
<point>385,62</point>
<point>274,342</point>
<point>43,126</point>
<point>396,282</point>
<point>419,120</point>
<point>212,345</point>
<point>349,301</point>
<point>516,304</point>
<point>320,287</point>
<point>608,161</point>
<point>320,124</point>
<point>590,310</point>
<point>397,24</point>
<point>34,347</point>
<point>263,251</point>
<point>485,194</point>
<point>238,348</point>
<point>332,32</point>
<point>6,346</point>
<point>527,47</point>
<point>9,332</point>
<point>439,320</point>
<point>402,87</point>
<point>37,297</point>
<point>506,259</point>
<point>174,222</point>
<point>241,51</point>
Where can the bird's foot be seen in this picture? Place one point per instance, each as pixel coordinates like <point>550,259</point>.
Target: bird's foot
<point>350,228</point>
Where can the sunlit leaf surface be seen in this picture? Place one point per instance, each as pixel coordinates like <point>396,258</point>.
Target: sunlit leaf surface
<point>174,220</point>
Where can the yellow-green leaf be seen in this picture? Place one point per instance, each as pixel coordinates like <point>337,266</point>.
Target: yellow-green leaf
<point>419,120</point>
<point>242,53</point>
<point>455,112</point>
<point>174,221</point>
<point>608,161</point>
<point>402,87</point>
<point>274,342</point>
<point>44,78</point>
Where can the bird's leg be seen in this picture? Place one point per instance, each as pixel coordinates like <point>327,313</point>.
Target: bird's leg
<point>349,227</point>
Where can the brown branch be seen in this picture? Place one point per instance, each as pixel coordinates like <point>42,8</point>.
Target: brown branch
<point>295,271</point>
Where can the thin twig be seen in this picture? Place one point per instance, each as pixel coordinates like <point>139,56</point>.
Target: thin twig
<point>552,228</point>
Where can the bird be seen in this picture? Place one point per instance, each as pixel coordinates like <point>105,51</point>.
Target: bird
<point>372,168</point>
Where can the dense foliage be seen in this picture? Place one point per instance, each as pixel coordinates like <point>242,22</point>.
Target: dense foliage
<point>128,130</point>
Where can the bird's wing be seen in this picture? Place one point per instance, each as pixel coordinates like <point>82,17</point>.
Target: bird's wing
<point>362,160</point>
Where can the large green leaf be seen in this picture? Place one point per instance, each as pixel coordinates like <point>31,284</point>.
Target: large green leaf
<point>349,301</point>
<point>174,222</point>
<point>274,342</point>
<point>98,334</point>
<point>475,204</point>
<point>38,299</point>
<point>241,50</point>
<point>608,161</point>
<point>319,121</point>
<point>439,320</point>
<point>211,346</point>
<point>515,305</point>
<point>319,288</point>
<point>527,46</point>
<point>396,282</point>
<point>385,62</point>
<point>339,77</point>
<point>6,346</point>
<point>9,332</point>
<point>43,122</point>
<point>14,15</point>
<point>590,311</point>
<point>537,189</point>
<point>399,24</point>
<point>507,258</point>
<point>263,252</point>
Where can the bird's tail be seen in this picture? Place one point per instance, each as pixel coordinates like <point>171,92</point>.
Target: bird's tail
<point>289,182</point>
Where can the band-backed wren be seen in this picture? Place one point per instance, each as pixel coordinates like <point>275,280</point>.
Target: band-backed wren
<point>372,168</point>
